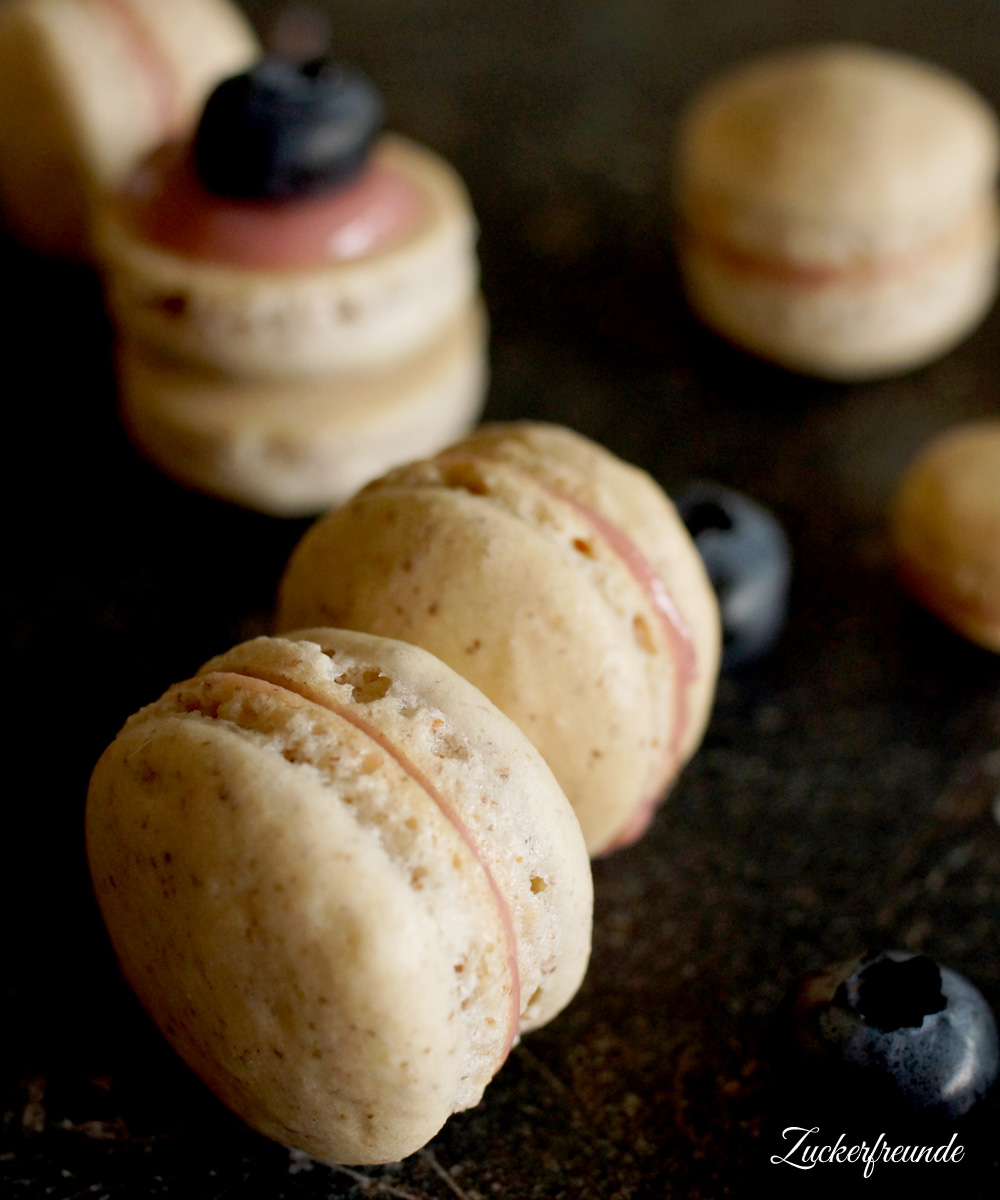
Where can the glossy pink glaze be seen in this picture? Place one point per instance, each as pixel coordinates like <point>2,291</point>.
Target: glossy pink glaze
<point>166,204</point>
<point>154,65</point>
<point>303,692</point>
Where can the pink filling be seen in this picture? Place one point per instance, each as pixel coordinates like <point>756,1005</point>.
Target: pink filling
<point>166,204</point>
<point>675,630</point>
<point>153,63</point>
<point>678,637</point>
<point>303,692</point>
<point>797,275</point>
<point>803,277</point>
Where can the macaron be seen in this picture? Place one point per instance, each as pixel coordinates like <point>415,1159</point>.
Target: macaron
<point>945,530</point>
<point>342,884</point>
<point>296,448</point>
<point>295,293</point>
<point>837,210</point>
<point>554,576</point>
<point>88,88</point>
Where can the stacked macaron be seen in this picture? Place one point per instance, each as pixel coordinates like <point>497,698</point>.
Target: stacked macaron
<point>342,883</point>
<point>556,578</point>
<point>295,295</point>
<point>837,209</point>
<point>88,87</point>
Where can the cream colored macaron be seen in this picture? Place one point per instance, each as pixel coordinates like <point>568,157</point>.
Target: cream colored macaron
<point>88,88</point>
<point>946,530</point>
<point>295,448</point>
<point>334,318</point>
<point>342,883</point>
<point>837,209</point>
<point>556,578</point>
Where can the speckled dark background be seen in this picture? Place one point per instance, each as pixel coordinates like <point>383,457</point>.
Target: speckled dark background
<point>847,789</point>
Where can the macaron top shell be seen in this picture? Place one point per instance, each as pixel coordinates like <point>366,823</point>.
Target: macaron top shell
<point>629,501</point>
<point>828,154</point>
<point>341,883</point>
<point>334,318</point>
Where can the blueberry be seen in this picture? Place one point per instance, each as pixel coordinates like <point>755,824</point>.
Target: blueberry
<point>285,129</point>
<point>895,1035</point>
<point>748,560</point>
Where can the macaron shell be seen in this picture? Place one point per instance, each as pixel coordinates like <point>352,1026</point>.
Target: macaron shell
<point>510,610</point>
<point>867,324</point>
<point>630,500</point>
<point>834,153</point>
<point>304,985</point>
<point>945,530</point>
<point>295,448</point>
<point>334,319</point>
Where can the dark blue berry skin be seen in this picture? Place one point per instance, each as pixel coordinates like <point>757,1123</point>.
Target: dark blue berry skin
<point>747,556</point>
<point>895,1036</point>
<point>285,129</point>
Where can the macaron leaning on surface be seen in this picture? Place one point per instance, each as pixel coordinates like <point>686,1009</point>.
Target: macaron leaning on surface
<point>945,530</point>
<point>341,883</point>
<point>837,209</point>
<point>556,578</point>
<point>87,89</point>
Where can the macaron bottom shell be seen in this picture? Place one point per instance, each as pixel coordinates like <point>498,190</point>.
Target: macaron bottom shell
<point>299,447</point>
<point>286,1002</point>
<point>856,325</point>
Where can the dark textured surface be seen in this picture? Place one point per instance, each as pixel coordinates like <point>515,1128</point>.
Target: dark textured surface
<point>845,794</point>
